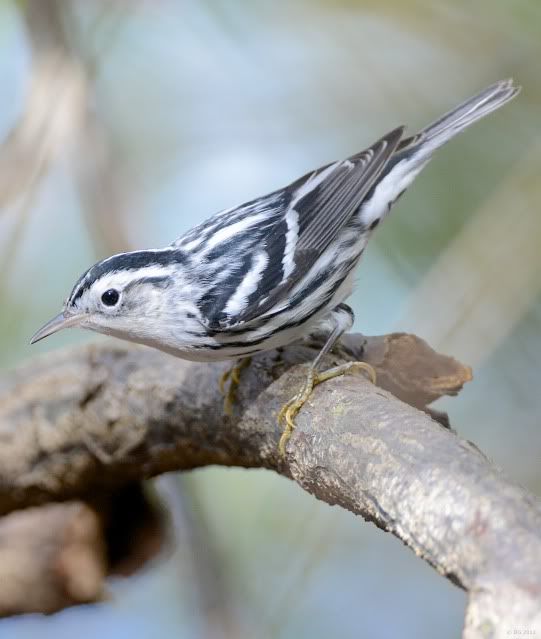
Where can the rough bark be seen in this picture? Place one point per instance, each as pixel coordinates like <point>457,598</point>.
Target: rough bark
<point>88,421</point>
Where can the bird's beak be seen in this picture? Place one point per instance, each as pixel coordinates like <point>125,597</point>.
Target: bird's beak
<point>58,323</point>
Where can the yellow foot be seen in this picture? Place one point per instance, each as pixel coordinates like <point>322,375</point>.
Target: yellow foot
<point>289,411</point>
<point>233,375</point>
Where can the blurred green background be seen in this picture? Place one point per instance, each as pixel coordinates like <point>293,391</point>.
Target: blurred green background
<point>124,123</point>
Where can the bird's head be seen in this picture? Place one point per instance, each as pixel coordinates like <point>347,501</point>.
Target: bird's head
<point>130,295</point>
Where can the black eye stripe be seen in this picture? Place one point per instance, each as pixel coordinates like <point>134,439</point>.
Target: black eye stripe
<point>125,262</point>
<point>110,297</point>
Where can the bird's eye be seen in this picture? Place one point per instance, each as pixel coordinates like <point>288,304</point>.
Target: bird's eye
<point>110,297</point>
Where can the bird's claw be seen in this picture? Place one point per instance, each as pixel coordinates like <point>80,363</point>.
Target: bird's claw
<point>288,412</point>
<point>233,375</point>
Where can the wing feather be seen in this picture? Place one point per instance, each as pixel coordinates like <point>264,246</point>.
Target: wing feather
<point>303,220</point>
<point>324,201</point>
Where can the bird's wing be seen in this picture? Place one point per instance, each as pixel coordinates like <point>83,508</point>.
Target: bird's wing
<point>269,244</point>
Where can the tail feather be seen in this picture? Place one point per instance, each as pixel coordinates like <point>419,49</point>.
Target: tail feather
<point>456,120</point>
<point>414,153</point>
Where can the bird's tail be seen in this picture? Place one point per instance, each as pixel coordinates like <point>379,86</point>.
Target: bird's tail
<point>456,120</point>
<point>412,154</point>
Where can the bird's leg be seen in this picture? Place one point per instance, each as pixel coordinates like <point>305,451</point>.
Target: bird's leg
<point>289,411</point>
<point>233,375</point>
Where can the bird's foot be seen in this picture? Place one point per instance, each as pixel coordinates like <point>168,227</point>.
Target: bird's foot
<point>233,375</point>
<point>288,412</point>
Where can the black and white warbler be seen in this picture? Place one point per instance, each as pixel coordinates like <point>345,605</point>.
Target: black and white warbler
<point>269,272</point>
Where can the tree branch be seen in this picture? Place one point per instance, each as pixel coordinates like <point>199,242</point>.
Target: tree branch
<point>85,421</point>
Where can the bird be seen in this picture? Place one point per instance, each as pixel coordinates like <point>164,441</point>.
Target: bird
<point>269,272</point>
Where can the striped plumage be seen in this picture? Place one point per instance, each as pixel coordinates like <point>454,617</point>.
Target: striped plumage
<point>268,272</point>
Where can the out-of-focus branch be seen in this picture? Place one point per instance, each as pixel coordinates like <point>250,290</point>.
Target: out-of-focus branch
<point>54,108</point>
<point>59,122</point>
<point>470,276</point>
<point>85,420</point>
<point>50,557</point>
<point>98,175</point>
<point>59,554</point>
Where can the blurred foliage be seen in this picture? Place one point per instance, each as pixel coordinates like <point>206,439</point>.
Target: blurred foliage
<point>125,123</point>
